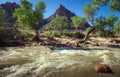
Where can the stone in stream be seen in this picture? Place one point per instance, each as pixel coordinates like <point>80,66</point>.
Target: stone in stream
<point>103,68</point>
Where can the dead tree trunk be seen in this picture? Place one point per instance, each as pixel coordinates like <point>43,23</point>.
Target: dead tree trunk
<point>36,38</point>
<point>90,31</point>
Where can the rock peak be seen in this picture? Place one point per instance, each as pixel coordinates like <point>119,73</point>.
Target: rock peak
<point>62,11</point>
<point>61,6</point>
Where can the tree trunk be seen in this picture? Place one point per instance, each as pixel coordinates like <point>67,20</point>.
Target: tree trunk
<point>36,38</point>
<point>90,31</point>
<point>76,28</point>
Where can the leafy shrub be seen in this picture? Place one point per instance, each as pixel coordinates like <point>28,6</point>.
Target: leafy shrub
<point>27,33</point>
<point>106,33</point>
<point>53,33</point>
<point>8,34</point>
<point>75,34</point>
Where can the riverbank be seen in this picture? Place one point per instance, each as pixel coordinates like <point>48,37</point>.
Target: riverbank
<point>93,40</point>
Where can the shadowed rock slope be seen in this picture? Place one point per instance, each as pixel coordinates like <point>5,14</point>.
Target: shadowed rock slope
<point>9,9</point>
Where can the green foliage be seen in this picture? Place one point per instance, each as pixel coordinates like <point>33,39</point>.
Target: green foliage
<point>105,25</point>
<point>111,20</point>
<point>68,33</point>
<point>114,4</point>
<point>28,18</point>
<point>78,21</point>
<point>8,33</point>
<point>101,22</point>
<point>59,22</point>
<point>1,13</point>
<point>77,34</point>
<point>89,12</point>
<point>117,27</point>
<point>26,5</point>
<point>27,33</point>
<point>53,33</point>
<point>100,2</point>
<point>88,29</point>
<point>107,33</point>
<point>11,34</point>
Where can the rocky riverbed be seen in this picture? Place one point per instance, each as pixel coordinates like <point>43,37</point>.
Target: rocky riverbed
<point>41,61</point>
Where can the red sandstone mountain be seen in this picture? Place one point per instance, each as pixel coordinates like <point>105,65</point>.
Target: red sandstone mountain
<point>9,9</point>
<point>62,11</point>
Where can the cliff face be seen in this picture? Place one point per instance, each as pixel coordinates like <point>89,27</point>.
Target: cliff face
<point>62,11</point>
<point>9,9</point>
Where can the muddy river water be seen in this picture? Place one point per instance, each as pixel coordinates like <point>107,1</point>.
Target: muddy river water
<point>40,61</point>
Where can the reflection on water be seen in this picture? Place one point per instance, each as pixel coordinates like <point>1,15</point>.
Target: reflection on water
<point>42,62</point>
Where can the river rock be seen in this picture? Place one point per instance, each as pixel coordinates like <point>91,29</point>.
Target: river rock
<point>103,68</point>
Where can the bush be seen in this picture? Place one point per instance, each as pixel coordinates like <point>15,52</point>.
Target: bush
<point>53,33</point>
<point>75,34</point>
<point>106,33</point>
<point>8,34</point>
<point>27,33</point>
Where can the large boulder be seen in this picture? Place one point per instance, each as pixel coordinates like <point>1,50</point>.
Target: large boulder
<point>103,68</point>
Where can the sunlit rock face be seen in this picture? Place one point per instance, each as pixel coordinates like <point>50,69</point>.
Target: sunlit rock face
<point>62,11</point>
<point>40,61</point>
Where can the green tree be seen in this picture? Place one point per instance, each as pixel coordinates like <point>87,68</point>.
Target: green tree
<point>117,27</point>
<point>28,18</point>
<point>90,12</point>
<point>59,22</point>
<point>78,21</point>
<point>105,26</point>
<point>101,23</point>
<point>114,4</point>
<point>111,20</point>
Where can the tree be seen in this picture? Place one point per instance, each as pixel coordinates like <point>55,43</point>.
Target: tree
<point>100,22</point>
<point>105,26</point>
<point>28,18</point>
<point>89,12</point>
<point>117,27</point>
<point>111,20</point>
<point>59,22</point>
<point>78,21</point>
<point>114,4</point>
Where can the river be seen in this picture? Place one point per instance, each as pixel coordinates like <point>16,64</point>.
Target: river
<point>40,61</point>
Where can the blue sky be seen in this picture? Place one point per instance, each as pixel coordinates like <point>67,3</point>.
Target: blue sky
<point>73,5</point>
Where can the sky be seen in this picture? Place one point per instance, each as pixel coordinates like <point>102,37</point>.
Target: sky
<point>75,6</point>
